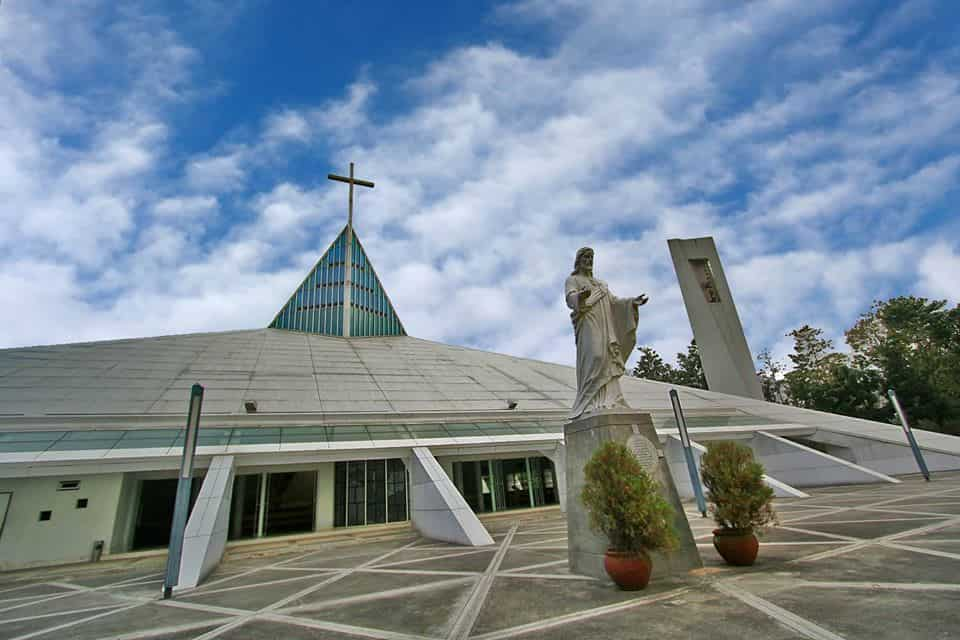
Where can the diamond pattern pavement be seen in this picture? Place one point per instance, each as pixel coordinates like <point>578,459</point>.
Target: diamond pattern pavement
<point>848,562</point>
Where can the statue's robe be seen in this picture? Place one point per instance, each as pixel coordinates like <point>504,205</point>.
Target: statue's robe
<point>606,333</point>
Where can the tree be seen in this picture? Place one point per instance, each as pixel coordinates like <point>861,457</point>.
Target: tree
<point>825,380</point>
<point>690,368</point>
<point>771,377</point>
<point>688,372</point>
<point>651,366</point>
<point>913,346</point>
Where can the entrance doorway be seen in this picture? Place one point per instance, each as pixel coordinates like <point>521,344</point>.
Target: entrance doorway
<point>155,511</point>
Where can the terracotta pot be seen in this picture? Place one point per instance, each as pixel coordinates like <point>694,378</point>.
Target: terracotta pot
<point>737,547</point>
<point>628,569</point>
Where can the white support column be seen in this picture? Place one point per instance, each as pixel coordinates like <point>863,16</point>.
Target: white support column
<point>206,534</point>
<point>558,456</point>
<point>438,511</point>
<point>803,466</point>
<point>262,505</point>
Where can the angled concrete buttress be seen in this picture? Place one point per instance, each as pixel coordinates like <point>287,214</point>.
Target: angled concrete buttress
<point>206,534</point>
<point>681,477</point>
<point>802,466</point>
<point>438,511</point>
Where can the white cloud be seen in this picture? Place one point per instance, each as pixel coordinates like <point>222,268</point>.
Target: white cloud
<point>939,268</point>
<point>218,172</point>
<point>186,207</point>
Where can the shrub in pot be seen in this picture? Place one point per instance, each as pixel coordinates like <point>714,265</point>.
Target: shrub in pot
<point>623,503</point>
<point>740,501</point>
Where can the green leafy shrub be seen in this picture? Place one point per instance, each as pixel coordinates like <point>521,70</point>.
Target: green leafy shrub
<point>740,500</point>
<point>623,502</point>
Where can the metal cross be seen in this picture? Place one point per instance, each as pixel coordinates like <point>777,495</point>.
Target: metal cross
<point>351,181</point>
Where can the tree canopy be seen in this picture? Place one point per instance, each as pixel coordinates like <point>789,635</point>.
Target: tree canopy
<point>688,371</point>
<point>907,343</point>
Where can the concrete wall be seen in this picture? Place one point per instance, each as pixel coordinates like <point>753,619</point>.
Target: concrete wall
<point>727,363</point>
<point>70,533</point>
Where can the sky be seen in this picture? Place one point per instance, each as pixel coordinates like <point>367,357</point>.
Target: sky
<point>163,164</point>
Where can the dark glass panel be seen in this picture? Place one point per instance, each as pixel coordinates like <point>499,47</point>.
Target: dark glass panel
<point>245,507</point>
<point>376,491</point>
<point>155,511</point>
<point>396,490</point>
<point>355,493</point>
<point>290,502</point>
<point>340,494</point>
<point>514,482</point>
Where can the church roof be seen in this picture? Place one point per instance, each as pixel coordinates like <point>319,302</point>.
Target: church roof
<point>300,378</point>
<point>341,296</point>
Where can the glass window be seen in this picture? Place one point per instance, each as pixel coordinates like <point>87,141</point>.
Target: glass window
<point>376,491</point>
<point>245,507</point>
<point>303,434</point>
<point>269,435</point>
<point>396,490</point>
<point>427,431</point>
<point>290,502</point>
<point>347,433</point>
<point>340,494</point>
<point>356,487</point>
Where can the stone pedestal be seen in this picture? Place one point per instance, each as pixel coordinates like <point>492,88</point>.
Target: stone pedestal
<point>583,436</point>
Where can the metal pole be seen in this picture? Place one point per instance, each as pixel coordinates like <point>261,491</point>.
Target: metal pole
<point>688,452</point>
<point>909,433</point>
<point>181,508</point>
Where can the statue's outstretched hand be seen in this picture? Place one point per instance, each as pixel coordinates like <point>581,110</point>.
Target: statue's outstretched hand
<point>641,300</point>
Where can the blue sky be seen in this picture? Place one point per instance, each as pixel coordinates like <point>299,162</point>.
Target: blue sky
<point>163,165</point>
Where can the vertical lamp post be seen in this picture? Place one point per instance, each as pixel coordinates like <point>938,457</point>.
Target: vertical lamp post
<point>688,452</point>
<point>182,505</point>
<point>909,433</point>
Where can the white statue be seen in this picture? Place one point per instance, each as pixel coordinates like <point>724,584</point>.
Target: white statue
<point>606,332</point>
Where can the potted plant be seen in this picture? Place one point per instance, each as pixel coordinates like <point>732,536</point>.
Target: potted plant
<point>741,502</point>
<point>624,504</point>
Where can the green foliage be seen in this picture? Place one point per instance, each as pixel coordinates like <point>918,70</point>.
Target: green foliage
<point>624,503</point>
<point>688,372</point>
<point>739,499</point>
<point>650,366</point>
<point>771,377</point>
<point>913,345</point>
<point>825,380</point>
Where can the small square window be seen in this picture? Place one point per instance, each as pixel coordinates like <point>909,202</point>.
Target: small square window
<point>45,515</point>
<point>82,503</point>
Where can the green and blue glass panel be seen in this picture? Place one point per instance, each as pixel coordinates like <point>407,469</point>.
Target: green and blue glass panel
<point>317,304</point>
<point>371,313</point>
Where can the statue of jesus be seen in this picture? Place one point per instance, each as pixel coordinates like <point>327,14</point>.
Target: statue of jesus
<point>606,331</point>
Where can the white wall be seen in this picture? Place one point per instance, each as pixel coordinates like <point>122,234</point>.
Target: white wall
<point>70,533</point>
<point>324,507</point>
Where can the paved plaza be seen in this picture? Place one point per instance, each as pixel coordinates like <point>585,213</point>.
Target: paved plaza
<point>877,561</point>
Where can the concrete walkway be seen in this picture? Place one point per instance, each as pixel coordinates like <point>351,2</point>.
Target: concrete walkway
<point>849,562</point>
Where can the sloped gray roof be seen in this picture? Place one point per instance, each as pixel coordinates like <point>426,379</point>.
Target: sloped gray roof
<point>329,378</point>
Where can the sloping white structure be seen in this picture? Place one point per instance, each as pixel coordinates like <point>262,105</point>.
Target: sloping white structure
<point>438,511</point>
<point>205,537</point>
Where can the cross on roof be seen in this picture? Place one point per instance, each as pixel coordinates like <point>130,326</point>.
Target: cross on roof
<point>351,181</point>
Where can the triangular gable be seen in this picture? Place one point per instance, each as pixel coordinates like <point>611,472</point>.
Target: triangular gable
<point>317,306</point>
